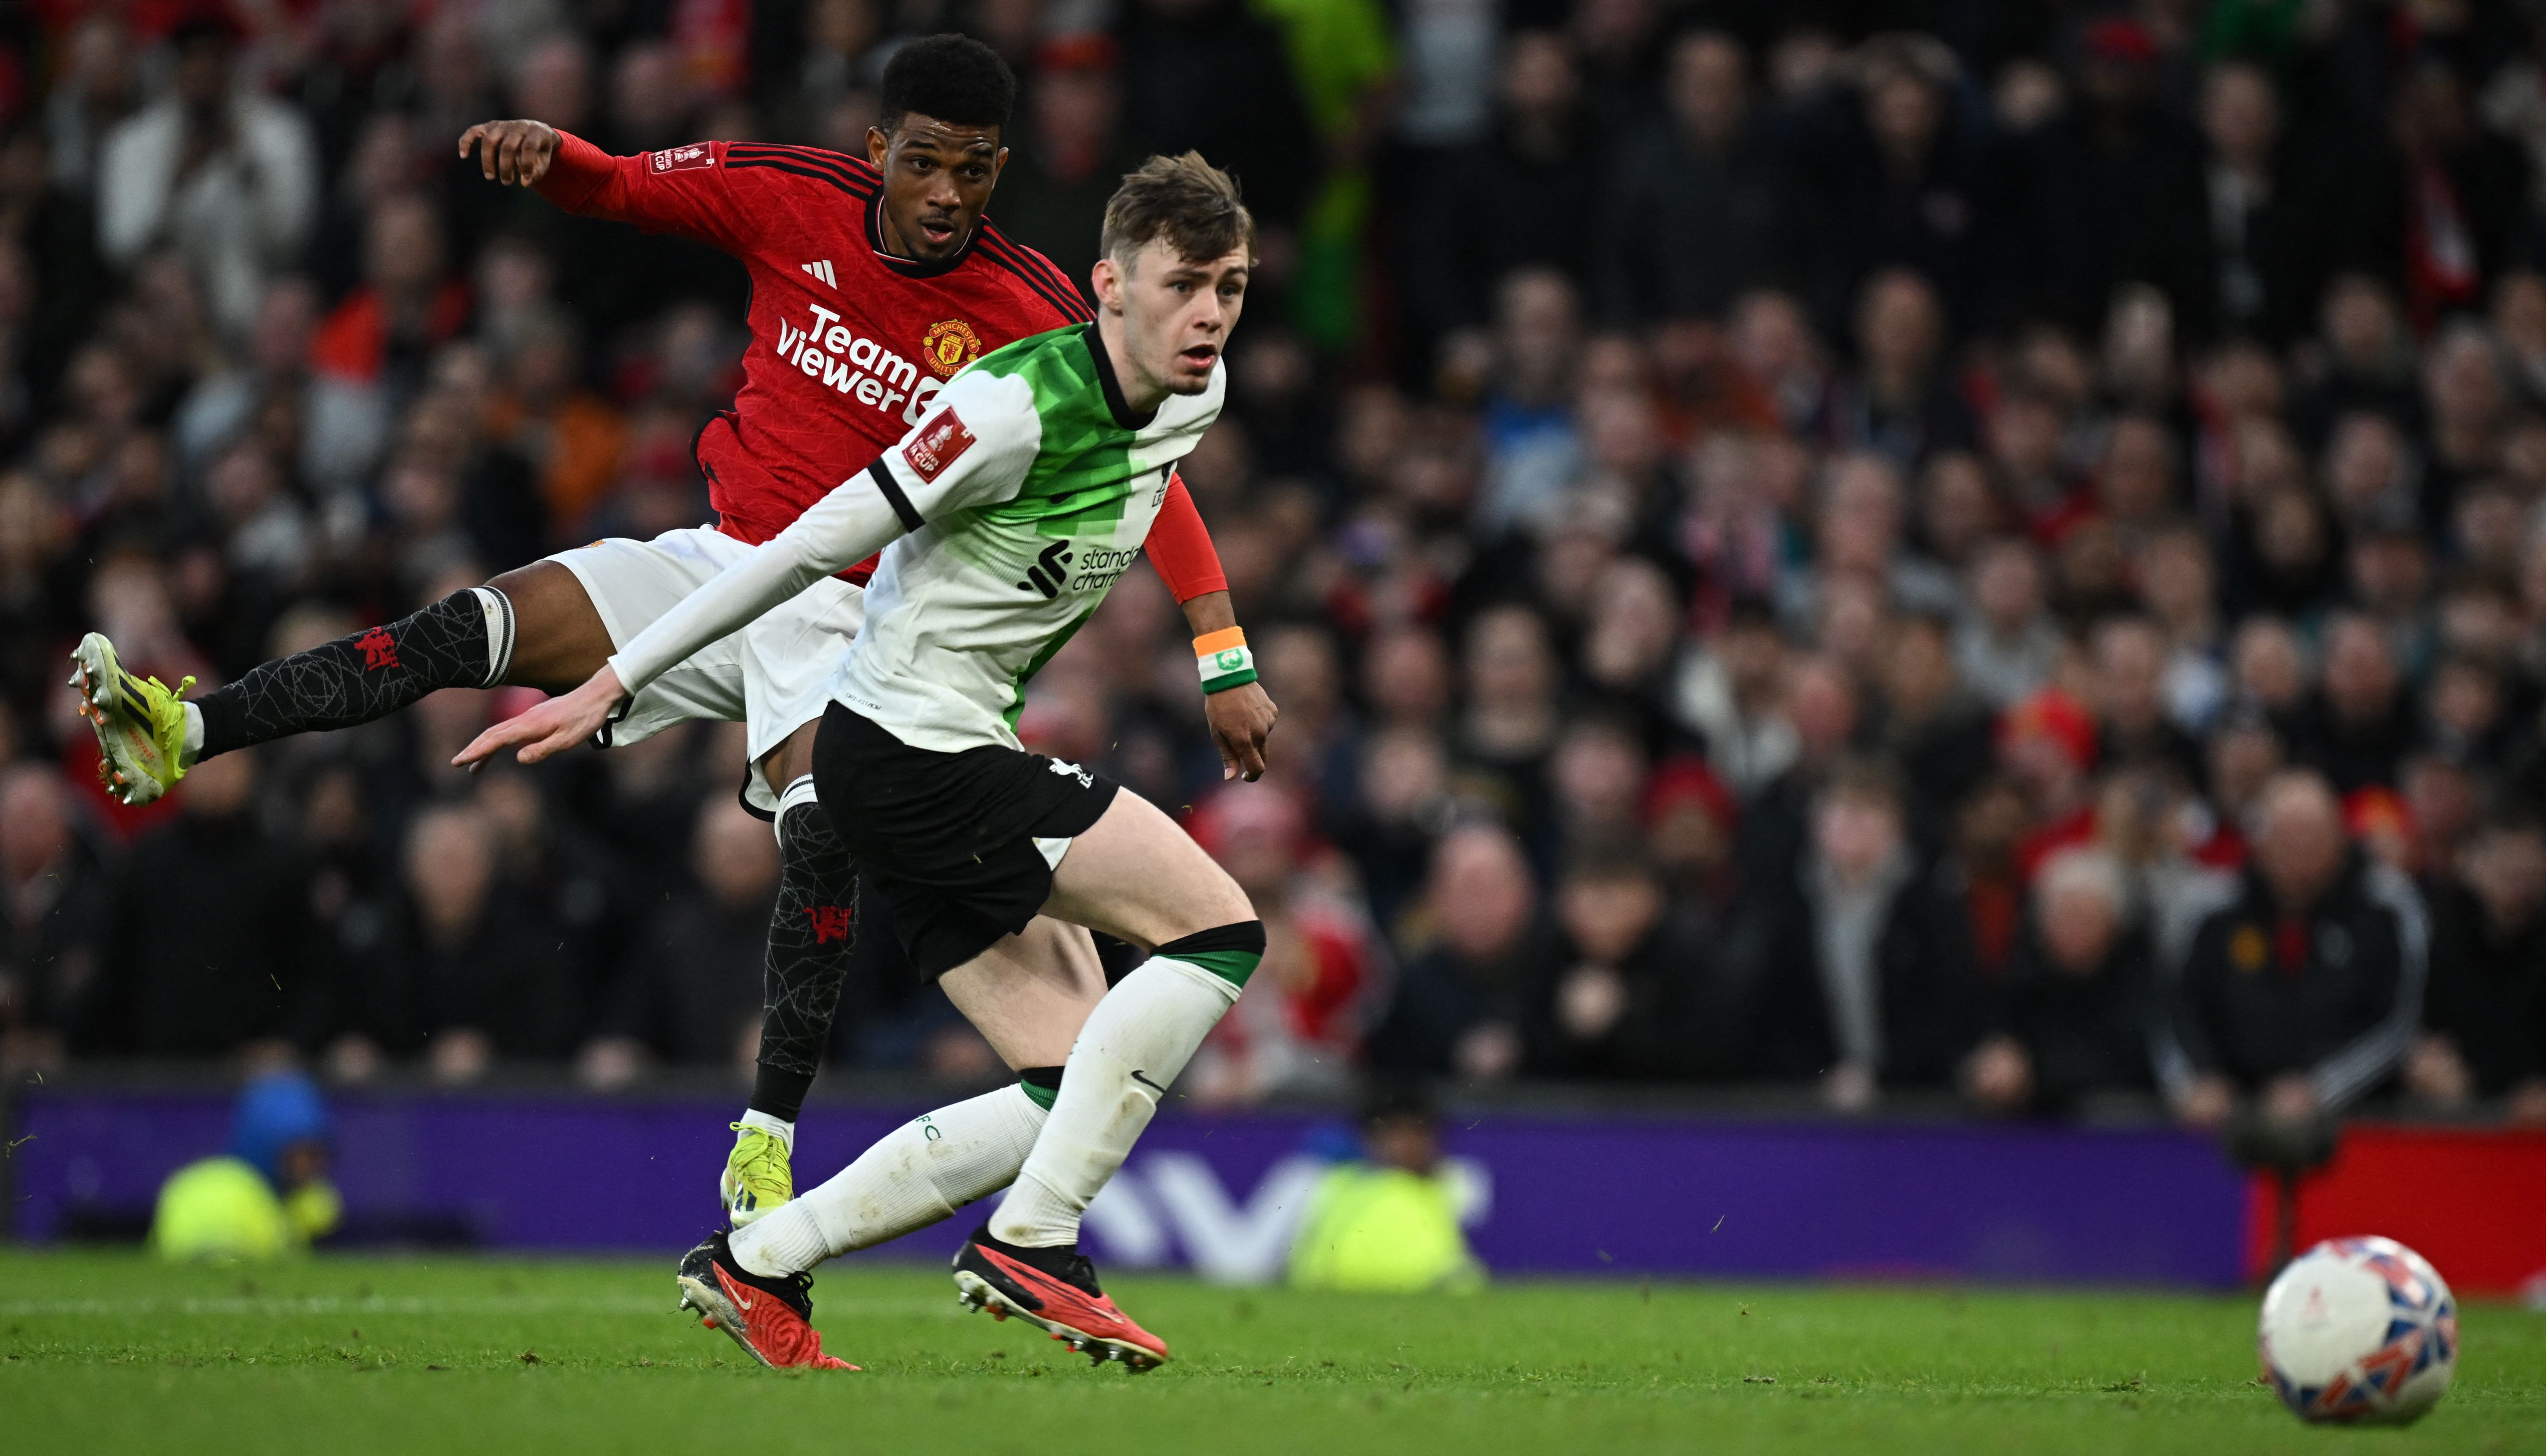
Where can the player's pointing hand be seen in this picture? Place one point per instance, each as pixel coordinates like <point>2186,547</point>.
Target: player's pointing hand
<point>515,153</point>
<point>1241,719</point>
<point>553,726</point>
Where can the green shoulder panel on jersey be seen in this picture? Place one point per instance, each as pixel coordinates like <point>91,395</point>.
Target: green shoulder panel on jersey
<point>1083,473</point>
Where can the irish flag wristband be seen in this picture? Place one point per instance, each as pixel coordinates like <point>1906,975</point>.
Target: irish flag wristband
<point>1222,659</point>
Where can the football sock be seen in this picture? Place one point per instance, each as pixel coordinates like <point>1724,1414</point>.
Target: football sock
<point>463,640</point>
<point>780,1128</point>
<point>920,1173</point>
<point>1134,1045</point>
<point>811,935</point>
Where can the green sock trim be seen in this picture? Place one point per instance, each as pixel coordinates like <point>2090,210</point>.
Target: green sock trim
<point>1040,1096</point>
<point>1231,966</point>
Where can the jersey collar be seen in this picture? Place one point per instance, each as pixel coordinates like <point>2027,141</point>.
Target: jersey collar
<point>1113,401</point>
<point>914,266</point>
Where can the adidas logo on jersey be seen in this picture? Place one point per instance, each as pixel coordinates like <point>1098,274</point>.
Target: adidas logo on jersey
<point>822,270</point>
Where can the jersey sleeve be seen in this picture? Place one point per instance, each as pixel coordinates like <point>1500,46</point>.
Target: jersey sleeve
<point>1181,547</point>
<point>687,191</point>
<point>973,449</point>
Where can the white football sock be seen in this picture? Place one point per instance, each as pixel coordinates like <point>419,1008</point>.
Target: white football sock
<point>918,1173</point>
<point>779,1128</point>
<point>1134,1045</point>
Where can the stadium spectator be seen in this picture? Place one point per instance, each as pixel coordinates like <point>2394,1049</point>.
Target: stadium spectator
<point>1323,966</point>
<point>240,981</point>
<point>2074,1012</point>
<point>2301,992</point>
<point>1699,216</point>
<point>52,915</point>
<point>1521,197</point>
<point>693,996</point>
<point>1861,962</point>
<point>470,976</point>
<point>1457,1009</point>
<point>2484,1015</point>
<point>1071,153</point>
<point>1628,992</point>
<point>224,176</point>
<point>2266,196</point>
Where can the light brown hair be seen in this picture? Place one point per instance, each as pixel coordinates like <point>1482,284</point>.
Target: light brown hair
<point>1186,202</point>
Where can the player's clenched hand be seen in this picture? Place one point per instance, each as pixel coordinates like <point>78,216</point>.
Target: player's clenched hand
<point>553,726</point>
<point>1241,718</point>
<point>515,153</point>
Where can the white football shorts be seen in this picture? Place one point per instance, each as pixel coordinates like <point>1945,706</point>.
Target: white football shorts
<point>774,676</point>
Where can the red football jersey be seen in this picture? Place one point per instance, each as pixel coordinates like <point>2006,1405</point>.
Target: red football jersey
<point>848,343</point>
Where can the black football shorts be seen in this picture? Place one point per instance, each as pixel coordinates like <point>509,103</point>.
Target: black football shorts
<point>949,839</point>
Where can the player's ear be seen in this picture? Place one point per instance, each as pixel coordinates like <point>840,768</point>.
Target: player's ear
<point>998,164</point>
<point>879,142</point>
<point>1108,280</point>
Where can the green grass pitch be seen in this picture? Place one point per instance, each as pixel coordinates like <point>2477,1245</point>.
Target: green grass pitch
<point>111,1353</point>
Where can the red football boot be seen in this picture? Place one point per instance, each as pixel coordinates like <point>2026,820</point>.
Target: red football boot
<point>1055,1288</point>
<point>771,1318</point>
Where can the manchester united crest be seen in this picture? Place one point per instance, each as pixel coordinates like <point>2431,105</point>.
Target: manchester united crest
<point>949,346</point>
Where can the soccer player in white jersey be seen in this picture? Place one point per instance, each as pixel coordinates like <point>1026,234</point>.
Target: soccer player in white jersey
<point>1005,517</point>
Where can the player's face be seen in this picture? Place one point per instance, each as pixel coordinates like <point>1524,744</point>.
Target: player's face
<point>1177,312</point>
<point>937,179</point>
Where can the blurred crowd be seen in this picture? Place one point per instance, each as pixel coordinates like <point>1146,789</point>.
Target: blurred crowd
<point>1973,548</point>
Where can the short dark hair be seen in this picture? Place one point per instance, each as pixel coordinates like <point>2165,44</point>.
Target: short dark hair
<point>1185,201</point>
<point>951,78</point>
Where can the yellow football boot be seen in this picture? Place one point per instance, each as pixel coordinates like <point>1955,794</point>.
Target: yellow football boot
<point>140,722</point>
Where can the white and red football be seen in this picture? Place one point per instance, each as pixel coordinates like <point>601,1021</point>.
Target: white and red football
<point>2359,1329</point>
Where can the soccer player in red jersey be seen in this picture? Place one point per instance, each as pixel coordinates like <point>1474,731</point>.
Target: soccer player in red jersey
<point>874,280</point>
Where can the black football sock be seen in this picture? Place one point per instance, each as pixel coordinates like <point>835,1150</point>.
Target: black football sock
<point>811,935</point>
<point>463,640</point>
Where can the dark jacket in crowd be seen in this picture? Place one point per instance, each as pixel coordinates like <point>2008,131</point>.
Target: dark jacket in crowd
<point>2120,197</point>
<point>697,981</point>
<point>1926,982</point>
<point>2331,992</point>
<point>2271,259</point>
<point>509,977</point>
<point>1672,1029</point>
<point>1858,212</point>
<point>2352,753</point>
<point>2085,1032</point>
<point>1690,231</point>
<point>1216,79</point>
<point>2487,990</point>
<point>207,945</point>
<point>1497,207</point>
<point>50,935</point>
<point>1441,995</point>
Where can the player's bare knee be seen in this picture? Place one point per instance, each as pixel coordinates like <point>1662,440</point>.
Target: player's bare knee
<point>559,639</point>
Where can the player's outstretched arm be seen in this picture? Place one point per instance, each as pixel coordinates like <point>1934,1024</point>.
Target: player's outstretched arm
<point>1235,705</point>
<point>858,517</point>
<point>514,153</point>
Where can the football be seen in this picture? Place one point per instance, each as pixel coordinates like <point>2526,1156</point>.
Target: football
<point>2359,1331</point>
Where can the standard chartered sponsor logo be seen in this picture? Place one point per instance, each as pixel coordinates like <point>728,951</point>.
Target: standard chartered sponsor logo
<point>1098,567</point>
<point>829,353</point>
